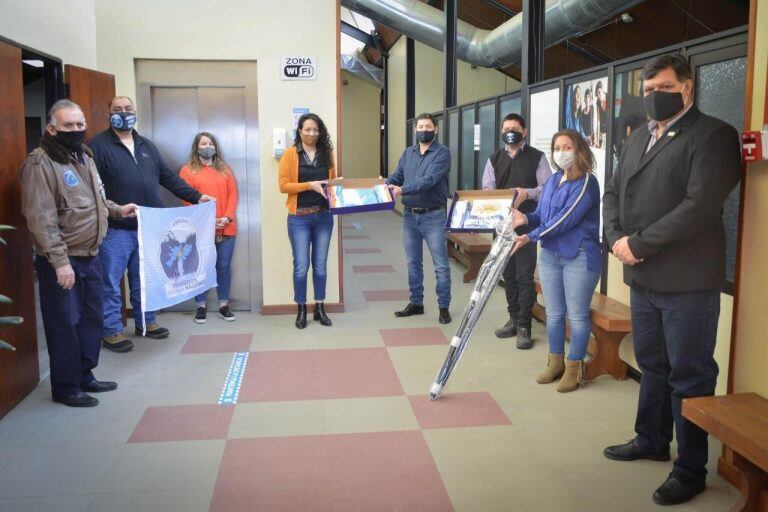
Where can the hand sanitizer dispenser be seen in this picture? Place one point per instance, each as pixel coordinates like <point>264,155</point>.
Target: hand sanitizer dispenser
<point>279,141</point>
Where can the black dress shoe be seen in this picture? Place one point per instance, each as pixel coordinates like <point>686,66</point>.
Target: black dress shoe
<point>99,386</point>
<point>410,310</point>
<point>77,399</point>
<point>319,315</point>
<point>631,450</point>
<point>678,488</point>
<point>301,317</point>
<point>445,316</point>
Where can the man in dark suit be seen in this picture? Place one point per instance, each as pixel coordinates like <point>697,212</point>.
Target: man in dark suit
<point>662,211</point>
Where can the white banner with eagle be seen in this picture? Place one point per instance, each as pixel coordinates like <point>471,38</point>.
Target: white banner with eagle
<point>177,254</point>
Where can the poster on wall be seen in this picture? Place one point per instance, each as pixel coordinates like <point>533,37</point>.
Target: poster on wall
<point>543,122</point>
<point>585,110</point>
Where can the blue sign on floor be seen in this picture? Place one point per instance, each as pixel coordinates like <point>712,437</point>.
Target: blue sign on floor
<point>234,379</point>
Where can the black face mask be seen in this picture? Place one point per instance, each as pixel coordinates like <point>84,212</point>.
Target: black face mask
<point>661,106</point>
<point>73,141</point>
<point>512,137</point>
<point>425,136</point>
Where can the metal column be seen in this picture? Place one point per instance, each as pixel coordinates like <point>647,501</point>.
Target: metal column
<point>532,64</point>
<point>449,54</point>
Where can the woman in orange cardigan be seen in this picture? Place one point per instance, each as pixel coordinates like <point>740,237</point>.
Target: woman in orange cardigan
<point>304,168</point>
<point>208,173</point>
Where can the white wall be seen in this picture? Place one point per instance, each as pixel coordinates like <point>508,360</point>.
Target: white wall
<point>236,30</point>
<point>61,28</point>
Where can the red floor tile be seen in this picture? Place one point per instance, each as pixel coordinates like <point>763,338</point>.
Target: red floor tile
<point>183,423</point>
<point>373,472</point>
<point>413,336</point>
<point>373,269</point>
<point>319,374</point>
<point>457,410</point>
<point>362,250</point>
<point>385,295</point>
<point>356,237</point>
<point>216,343</point>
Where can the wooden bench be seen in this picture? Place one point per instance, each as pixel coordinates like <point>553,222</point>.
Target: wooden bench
<point>741,423</point>
<point>470,249</point>
<point>610,322</point>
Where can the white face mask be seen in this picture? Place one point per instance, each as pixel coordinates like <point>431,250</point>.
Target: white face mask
<point>563,159</point>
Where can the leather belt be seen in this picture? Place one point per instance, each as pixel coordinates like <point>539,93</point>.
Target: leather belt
<point>424,210</point>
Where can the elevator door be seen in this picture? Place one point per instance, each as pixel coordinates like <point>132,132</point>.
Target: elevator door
<point>178,114</point>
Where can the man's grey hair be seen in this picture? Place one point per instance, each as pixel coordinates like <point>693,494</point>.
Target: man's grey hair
<point>61,105</point>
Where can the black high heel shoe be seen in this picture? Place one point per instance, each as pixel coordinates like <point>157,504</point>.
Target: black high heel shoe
<point>320,315</point>
<point>301,317</point>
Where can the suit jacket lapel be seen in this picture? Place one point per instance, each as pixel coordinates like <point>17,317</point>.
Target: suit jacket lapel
<point>667,137</point>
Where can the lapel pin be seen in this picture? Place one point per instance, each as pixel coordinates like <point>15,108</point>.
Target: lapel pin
<point>671,134</point>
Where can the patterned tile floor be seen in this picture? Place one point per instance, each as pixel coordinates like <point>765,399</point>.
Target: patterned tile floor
<point>334,419</point>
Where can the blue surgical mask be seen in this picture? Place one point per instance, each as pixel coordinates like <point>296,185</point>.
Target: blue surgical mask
<point>123,121</point>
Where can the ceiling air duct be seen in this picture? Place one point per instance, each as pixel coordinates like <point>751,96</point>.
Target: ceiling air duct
<point>495,48</point>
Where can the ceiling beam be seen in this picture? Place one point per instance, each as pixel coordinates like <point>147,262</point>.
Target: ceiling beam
<point>358,34</point>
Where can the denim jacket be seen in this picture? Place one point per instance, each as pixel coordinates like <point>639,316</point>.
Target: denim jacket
<point>567,219</point>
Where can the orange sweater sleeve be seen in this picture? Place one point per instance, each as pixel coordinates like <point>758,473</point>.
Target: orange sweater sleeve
<point>231,207</point>
<point>289,162</point>
<point>186,175</point>
<point>332,169</point>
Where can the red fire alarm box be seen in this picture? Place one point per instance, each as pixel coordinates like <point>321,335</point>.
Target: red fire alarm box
<point>752,146</point>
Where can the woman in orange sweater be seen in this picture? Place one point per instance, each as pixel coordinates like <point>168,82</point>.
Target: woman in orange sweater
<point>304,168</point>
<point>208,173</point>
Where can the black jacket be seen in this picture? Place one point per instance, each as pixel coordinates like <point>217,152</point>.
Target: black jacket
<point>669,202</point>
<point>135,181</point>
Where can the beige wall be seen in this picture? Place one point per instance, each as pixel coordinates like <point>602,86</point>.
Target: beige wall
<point>751,351</point>
<point>236,30</point>
<point>65,29</point>
<point>360,127</point>
<point>472,84</point>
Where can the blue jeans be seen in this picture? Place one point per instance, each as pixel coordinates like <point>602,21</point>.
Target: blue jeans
<point>224,251</point>
<point>568,287</point>
<point>305,232</point>
<point>120,251</point>
<point>429,227</point>
<point>673,335</point>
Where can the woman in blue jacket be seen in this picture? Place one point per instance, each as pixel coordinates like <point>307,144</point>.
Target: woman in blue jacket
<point>566,221</point>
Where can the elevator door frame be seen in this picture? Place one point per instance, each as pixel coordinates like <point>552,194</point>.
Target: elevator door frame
<point>202,73</point>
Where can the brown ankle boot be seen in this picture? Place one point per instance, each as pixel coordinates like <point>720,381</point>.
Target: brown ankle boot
<point>573,376</point>
<point>554,369</point>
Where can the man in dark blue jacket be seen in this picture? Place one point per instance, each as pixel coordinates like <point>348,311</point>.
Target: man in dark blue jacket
<point>421,178</point>
<point>130,167</point>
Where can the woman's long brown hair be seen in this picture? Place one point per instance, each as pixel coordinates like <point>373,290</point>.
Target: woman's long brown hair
<point>585,160</point>
<point>218,162</point>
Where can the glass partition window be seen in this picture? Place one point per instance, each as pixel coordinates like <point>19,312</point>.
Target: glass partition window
<point>453,145</point>
<point>509,106</point>
<point>488,137</point>
<point>440,135</point>
<point>628,111</point>
<point>720,90</point>
<point>467,169</point>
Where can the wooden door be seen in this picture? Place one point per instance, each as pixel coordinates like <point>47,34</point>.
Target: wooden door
<point>19,370</point>
<point>92,90</point>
